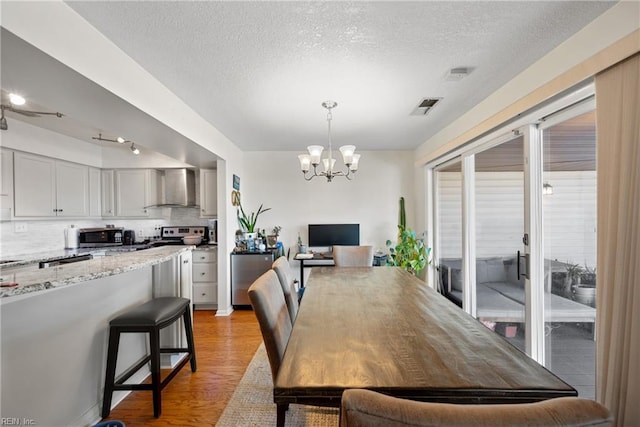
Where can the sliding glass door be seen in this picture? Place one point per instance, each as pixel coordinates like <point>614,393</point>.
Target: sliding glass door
<point>515,239</point>
<point>499,227</point>
<point>569,203</point>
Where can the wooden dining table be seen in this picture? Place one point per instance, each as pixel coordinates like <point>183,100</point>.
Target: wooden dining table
<point>383,329</point>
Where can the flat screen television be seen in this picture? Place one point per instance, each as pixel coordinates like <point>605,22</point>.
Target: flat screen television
<point>334,234</point>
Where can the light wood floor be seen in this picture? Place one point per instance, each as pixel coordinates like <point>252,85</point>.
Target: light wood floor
<point>224,348</point>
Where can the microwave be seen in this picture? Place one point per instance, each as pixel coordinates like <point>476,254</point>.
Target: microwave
<point>96,237</point>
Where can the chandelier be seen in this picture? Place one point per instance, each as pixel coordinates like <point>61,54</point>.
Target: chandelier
<point>315,153</point>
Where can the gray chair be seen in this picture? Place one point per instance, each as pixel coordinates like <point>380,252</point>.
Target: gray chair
<point>267,300</point>
<point>371,409</point>
<point>353,256</point>
<point>288,283</point>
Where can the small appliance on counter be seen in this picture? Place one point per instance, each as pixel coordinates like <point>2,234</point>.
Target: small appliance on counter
<point>101,236</point>
<point>129,237</point>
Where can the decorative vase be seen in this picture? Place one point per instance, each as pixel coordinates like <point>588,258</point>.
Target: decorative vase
<point>250,236</point>
<point>302,249</point>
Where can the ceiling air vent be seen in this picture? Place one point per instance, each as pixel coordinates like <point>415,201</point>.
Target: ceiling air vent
<point>425,106</point>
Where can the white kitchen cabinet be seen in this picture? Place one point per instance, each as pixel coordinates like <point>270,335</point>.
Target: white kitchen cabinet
<point>135,190</point>
<point>208,193</point>
<point>95,192</point>
<point>45,187</point>
<point>6,184</point>
<point>205,278</point>
<point>108,195</point>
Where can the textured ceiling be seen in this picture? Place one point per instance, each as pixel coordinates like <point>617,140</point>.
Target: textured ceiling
<point>258,71</point>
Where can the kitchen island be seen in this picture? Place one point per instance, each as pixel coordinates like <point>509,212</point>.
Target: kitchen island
<point>54,331</point>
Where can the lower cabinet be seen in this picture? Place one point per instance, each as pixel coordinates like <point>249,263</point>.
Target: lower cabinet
<point>205,279</point>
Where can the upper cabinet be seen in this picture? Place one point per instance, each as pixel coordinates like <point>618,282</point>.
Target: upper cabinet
<point>6,183</point>
<point>45,187</point>
<point>108,198</point>
<point>135,190</point>
<point>95,191</point>
<point>208,192</point>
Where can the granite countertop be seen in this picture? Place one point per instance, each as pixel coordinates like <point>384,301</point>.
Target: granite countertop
<point>24,282</point>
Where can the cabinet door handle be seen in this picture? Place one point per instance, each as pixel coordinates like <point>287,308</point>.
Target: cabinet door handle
<point>202,274</point>
<point>186,261</point>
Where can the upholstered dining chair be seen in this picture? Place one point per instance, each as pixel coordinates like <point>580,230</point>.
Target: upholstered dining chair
<point>361,408</point>
<point>270,308</point>
<point>353,256</point>
<point>288,283</point>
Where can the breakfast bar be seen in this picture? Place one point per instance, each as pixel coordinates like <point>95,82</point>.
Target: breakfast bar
<point>54,328</point>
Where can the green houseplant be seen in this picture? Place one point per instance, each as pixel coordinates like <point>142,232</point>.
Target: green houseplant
<point>410,251</point>
<point>248,222</point>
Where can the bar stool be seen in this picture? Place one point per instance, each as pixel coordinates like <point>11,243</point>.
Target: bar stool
<point>150,318</point>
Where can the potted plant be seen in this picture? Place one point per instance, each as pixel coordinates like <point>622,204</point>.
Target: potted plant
<point>585,291</point>
<point>410,252</point>
<point>248,222</point>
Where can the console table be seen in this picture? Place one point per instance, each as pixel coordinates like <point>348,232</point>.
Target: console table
<point>318,260</point>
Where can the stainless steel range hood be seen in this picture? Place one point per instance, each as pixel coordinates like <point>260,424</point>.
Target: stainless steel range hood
<point>179,189</point>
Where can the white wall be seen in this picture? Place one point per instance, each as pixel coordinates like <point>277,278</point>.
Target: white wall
<point>370,198</point>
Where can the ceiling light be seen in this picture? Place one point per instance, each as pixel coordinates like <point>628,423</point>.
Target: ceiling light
<point>349,157</point>
<point>118,140</point>
<point>16,99</point>
<point>28,113</point>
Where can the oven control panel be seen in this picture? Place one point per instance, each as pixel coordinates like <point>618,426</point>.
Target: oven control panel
<point>178,232</point>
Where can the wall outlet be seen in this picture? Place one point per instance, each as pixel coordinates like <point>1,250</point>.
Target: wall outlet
<point>20,227</point>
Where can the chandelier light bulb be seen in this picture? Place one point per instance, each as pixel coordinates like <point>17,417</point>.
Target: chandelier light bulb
<point>354,164</point>
<point>121,140</point>
<point>305,162</point>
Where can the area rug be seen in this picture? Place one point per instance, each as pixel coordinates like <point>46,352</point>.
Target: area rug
<point>252,402</point>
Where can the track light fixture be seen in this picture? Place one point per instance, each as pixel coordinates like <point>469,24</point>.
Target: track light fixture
<point>3,121</point>
<point>28,113</point>
<point>118,140</point>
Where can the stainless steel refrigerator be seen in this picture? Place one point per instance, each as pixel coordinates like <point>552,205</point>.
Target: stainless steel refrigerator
<point>246,267</point>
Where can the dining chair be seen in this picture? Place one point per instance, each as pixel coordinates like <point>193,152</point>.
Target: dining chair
<point>270,308</point>
<point>361,408</point>
<point>288,283</point>
<point>353,256</point>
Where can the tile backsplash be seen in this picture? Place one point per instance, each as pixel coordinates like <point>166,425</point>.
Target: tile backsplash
<point>27,237</point>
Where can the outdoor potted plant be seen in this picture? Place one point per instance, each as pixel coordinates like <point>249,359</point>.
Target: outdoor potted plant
<point>585,291</point>
<point>248,222</point>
